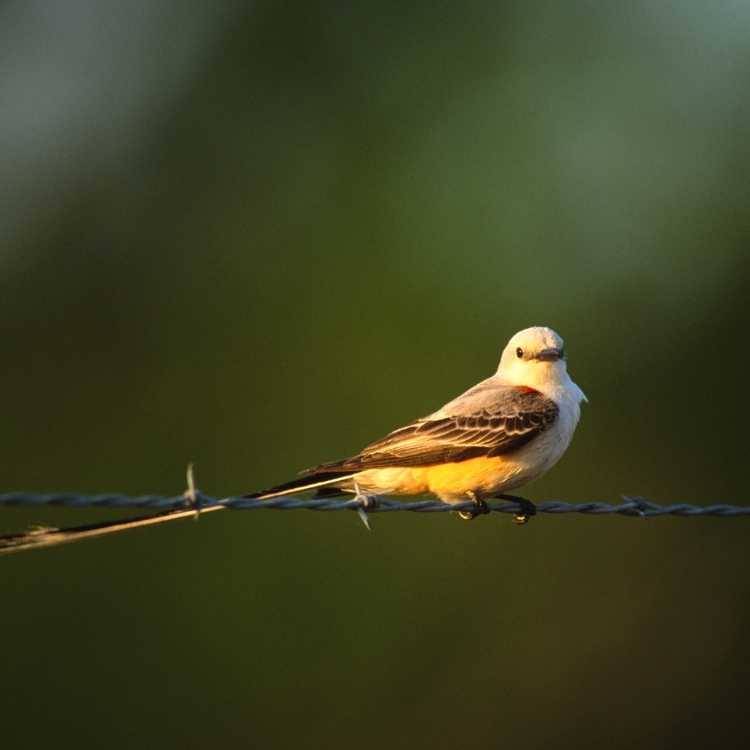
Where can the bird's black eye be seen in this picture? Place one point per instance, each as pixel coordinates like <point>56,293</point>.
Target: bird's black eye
<point>519,353</point>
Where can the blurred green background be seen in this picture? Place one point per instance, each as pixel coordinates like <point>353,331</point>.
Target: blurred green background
<point>258,236</point>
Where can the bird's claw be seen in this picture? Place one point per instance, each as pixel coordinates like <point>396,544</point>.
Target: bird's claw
<point>526,509</point>
<point>481,508</point>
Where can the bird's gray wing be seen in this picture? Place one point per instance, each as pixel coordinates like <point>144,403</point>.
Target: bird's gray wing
<point>507,419</point>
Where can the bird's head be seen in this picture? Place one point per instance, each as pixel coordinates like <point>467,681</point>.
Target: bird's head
<point>534,357</point>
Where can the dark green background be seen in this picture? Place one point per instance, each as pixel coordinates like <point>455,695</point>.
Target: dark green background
<point>258,237</point>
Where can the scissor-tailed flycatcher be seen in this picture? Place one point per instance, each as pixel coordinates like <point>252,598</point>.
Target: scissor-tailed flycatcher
<point>500,434</point>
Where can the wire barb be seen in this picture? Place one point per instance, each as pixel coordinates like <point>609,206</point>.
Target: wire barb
<point>365,502</point>
<point>191,494</point>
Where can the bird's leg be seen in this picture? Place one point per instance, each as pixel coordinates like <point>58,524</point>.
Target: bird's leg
<point>526,508</point>
<point>365,501</point>
<point>480,510</point>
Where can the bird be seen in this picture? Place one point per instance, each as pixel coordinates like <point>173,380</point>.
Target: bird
<point>500,434</point>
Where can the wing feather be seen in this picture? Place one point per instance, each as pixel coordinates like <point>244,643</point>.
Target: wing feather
<point>513,418</point>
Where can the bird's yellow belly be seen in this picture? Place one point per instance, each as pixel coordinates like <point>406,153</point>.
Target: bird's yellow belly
<point>451,481</point>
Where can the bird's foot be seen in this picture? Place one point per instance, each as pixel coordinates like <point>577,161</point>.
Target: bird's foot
<point>526,509</point>
<point>480,509</point>
<point>365,502</point>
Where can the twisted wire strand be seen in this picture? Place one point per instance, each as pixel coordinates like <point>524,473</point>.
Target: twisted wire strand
<point>192,503</point>
<point>630,505</point>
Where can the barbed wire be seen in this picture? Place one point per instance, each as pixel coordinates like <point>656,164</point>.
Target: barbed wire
<point>193,503</point>
<point>630,505</point>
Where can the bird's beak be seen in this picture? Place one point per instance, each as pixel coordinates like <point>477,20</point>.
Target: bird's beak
<point>549,355</point>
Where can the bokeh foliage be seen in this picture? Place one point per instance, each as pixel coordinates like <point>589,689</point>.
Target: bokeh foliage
<point>258,237</point>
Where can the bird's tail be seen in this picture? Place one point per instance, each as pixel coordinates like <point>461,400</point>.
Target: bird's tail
<point>312,481</point>
<point>324,482</point>
<point>50,537</point>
